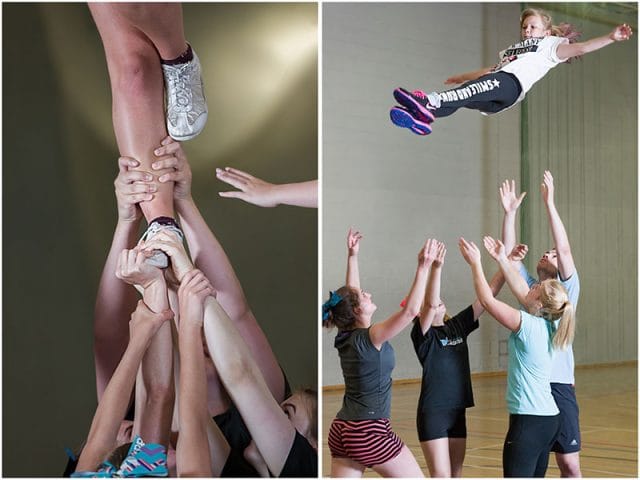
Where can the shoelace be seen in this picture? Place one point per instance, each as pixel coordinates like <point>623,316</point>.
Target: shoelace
<point>154,228</point>
<point>179,79</point>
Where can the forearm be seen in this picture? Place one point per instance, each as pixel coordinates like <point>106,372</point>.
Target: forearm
<point>516,283</point>
<point>112,407</point>
<point>480,285</point>
<point>509,230</point>
<point>115,300</point>
<point>432,292</point>
<point>558,232</point>
<point>302,194</point>
<point>209,256</point>
<point>497,282</point>
<point>353,272</point>
<point>576,49</point>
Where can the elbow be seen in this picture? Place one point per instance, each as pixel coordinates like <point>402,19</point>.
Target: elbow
<point>411,311</point>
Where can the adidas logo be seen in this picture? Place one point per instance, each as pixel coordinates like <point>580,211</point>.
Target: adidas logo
<point>573,442</point>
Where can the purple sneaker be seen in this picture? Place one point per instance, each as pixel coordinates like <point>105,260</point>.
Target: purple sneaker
<point>417,103</point>
<point>402,117</point>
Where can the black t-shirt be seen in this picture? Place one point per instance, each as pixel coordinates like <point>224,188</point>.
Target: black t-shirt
<point>302,460</point>
<point>444,356</point>
<point>367,376</point>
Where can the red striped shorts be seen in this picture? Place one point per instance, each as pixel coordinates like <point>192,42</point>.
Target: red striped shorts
<point>368,442</point>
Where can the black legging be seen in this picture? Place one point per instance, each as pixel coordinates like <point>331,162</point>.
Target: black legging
<point>489,93</point>
<point>526,448</point>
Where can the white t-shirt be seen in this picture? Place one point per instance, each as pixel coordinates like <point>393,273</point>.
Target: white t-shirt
<point>530,60</point>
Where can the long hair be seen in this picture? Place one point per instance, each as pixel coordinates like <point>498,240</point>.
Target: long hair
<point>342,314</point>
<point>565,30</point>
<point>556,306</point>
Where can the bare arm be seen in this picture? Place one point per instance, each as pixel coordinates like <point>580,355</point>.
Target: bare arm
<point>495,284</point>
<point>516,283</point>
<point>264,194</point>
<point>115,300</point>
<point>270,428</point>
<point>432,300</point>
<point>566,265</point>
<point>618,34</point>
<point>115,399</point>
<point>468,76</point>
<point>503,313</point>
<point>510,203</point>
<point>386,330</point>
<point>210,257</point>
<point>353,248</point>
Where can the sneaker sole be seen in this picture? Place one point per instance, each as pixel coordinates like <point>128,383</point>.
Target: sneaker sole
<point>198,128</point>
<point>403,118</point>
<point>405,99</point>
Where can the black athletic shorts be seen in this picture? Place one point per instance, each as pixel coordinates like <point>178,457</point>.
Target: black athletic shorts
<point>568,440</point>
<point>442,424</point>
<point>526,448</point>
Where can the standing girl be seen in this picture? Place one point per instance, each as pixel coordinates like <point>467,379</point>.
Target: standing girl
<point>534,418</point>
<point>361,435</point>
<point>496,88</point>
<point>446,391</point>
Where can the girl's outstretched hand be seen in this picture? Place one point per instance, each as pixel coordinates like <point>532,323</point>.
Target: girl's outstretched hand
<point>441,251</point>
<point>171,155</point>
<point>495,248</point>
<point>510,200</point>
<point>470,251</point>
<point>621,33</point>
<point>132,268</point>
<point>195,287</point>
<point>169,244</point>
<point>145,323</point>
<point>518,253</point>
<point>353,242</point>
<point>250,189</point>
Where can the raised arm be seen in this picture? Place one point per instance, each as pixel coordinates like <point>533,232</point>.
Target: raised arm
<point>353,248</point>
<point>432,302</point>
<point>270,428</point>
<point>264,194</point>
<point>468,76</point>
<point>386,330</point>
<point>495,284</point>
<point>516,283</point>
<point>510,203</point>
<point>566,266</point>
<point>503,313</point>
<point>618,34</point>
<point>115,300</point>
<point>209,256</point>
<point>115,399</point>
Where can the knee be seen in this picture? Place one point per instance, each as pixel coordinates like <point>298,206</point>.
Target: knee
<point>134,72</point>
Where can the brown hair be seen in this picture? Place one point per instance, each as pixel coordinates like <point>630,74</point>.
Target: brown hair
<point>342,314</point>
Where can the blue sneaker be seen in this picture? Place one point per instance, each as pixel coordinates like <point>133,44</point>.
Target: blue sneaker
<point>416,102</point>
<point>403,118</point>
<point>144,460</point>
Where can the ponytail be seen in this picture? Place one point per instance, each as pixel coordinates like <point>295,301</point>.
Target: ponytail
<point>566,328</point>
<point>556,306</point>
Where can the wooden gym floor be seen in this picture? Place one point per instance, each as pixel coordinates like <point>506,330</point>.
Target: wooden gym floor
<point>608,400</point>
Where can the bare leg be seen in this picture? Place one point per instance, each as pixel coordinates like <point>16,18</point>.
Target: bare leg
<point>569,464</point>
<point>342,467</point>
<point>137,88</point>
<point>404,465</point>
<point>436,453</point>
<point>457,451</point>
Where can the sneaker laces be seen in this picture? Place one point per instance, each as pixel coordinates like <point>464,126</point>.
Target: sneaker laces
<point>179,80</point>
<point>154,228</point>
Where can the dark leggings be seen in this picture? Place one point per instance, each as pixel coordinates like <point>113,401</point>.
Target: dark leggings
<point>489,93</point>
<point>526,448</point>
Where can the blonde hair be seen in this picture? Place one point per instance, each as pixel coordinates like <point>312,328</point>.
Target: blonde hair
<point>556,306</point>
<point>565,30</point>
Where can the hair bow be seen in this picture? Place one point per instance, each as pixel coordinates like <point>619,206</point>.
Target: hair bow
<point>334,299</point>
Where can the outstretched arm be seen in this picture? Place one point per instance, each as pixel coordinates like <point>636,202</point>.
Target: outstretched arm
<point>115,399</point>
<point>510,203</point>
<point>566,267</point>
<point>353,248</point>
<point>264,194</point>
<point>210,257</point>
<point>495,284</point>
<point>516,283</point>
<point>619,34</point>
<point>468,76</point>
<point>432,302</point>
<point>503,313</point>
<point>270,428</point>
<point>383,331</point>
<point>115,300</point>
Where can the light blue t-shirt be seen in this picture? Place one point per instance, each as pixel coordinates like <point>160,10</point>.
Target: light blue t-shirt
<point>563,362</point>
<point>529,371</point>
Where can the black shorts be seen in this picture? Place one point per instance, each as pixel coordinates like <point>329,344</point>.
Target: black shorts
<point>442,424</point>
<point>568,440</point>
<point>526,447</point>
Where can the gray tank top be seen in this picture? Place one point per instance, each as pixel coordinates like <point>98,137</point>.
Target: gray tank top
<point>367,376</point>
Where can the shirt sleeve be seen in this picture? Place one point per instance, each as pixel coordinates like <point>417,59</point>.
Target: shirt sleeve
<point>551,48</point>
<point>572,284</point>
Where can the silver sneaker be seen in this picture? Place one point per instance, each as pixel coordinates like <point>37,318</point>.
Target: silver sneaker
<point>159,258</point>
<point>186,104</point>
